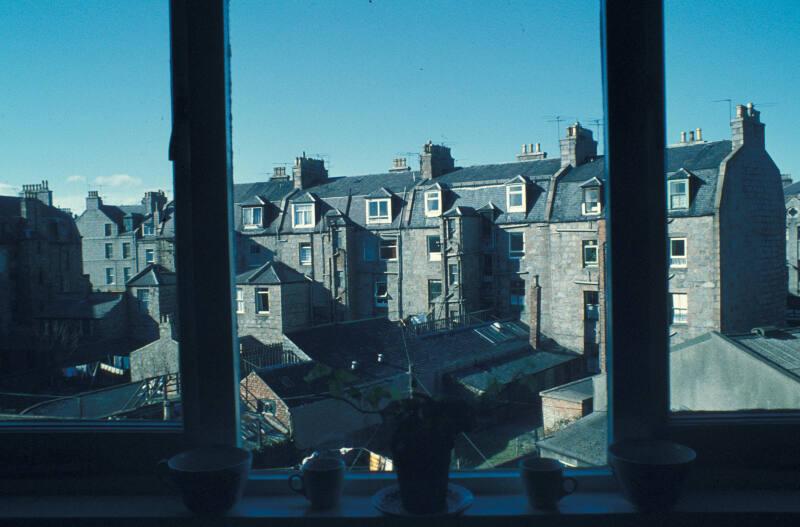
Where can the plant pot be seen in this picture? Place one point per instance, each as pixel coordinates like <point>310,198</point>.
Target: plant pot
<point>422,475</point>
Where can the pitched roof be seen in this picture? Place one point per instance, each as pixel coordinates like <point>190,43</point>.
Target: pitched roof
<point>505,370</point>
<point>152,275</point>
<point>779,348</point>
<point>585,440</point>
<point>271,273</point>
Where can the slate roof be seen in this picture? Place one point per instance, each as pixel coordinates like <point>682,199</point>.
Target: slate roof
<point>290,384</point>
<point>504,371</point>
<point>79,306</point>
<point>271,273</point>
<point>585,440</point>
<point>151,276</point>
<point>337,345</point>
<point>792,189</point>
<point>780,349</point>
<point>476,186</point>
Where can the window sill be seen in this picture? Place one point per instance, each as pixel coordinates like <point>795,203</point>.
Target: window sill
<point>581,508</point>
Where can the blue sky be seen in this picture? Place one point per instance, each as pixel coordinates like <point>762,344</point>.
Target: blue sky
<point>85,86</point>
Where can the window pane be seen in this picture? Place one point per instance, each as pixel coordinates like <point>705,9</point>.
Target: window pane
<point>733,259</point>
<point>505,298</point>
<point>85,333</point>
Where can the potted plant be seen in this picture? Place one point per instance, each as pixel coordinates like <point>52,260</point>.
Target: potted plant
<point>422,443</point>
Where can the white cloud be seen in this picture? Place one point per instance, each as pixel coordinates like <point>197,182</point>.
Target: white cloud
<point>7,189</point>
<point>76,179</point>
<point>117,180</point>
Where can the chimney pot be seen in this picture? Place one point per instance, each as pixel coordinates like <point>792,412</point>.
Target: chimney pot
<point>683,137</point>
<point>524,148</point>
<point>698,134</point>
<point>538,147</point>
<point>739,111</point>
<point>691,136</point>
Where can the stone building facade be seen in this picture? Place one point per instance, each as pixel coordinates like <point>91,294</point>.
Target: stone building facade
<point>119,241</point>
<point>524,239</point>
<point>40,264</point>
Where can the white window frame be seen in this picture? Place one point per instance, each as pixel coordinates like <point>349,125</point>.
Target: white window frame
<point>108,229</point>
<point>240,301</point>
<point>261,292</point>
<point>590,244</point>
<point>381,301</point>
<point>305,261</point>
<point>516,254</point>
<point>148,229</point>
<point>308,213</point>
<point>379,217</point>
<point>433,197</point>
<point>684,203</point>
<point>680,262</point>
<point>679,309</point>
<point>127,273</point>
<point>152,256</point>
<point>248,217</point>
<point>516,189</point>
<point>126,250</point>
<point>111,276</point>
<point>591,208</point>
<point>433,256</point>
<point>396,248</point>
<point>108,251</point>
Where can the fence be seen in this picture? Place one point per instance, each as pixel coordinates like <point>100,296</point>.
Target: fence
<point>448,324</point>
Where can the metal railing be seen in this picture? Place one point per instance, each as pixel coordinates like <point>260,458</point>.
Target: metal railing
<point>462,320</point>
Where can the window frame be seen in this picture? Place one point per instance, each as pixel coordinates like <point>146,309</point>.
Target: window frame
<point>516,300</point>
<point>108,251</point>
<point>248,213</point>
<point>396,241</point>
<point>112,276</point>
<point>433,256</point>
<point>592,208</point>
<point>633,83</point>
<point>379,218</point>
<point>311,215</point>
<point>310,260</point>
<point>152,252</point>
<point>126,250</point>
<point>516,254</point>
<point>381,301</point>
<point>514,189</point>
<point>451,274</point>
<point>590,244</point>
<point>672,258</point>
<point>143,299</point>
<point>108,230</point>
<point>432,281</point>
<point>684,194</point>
<point>436,197</point>
<point>683,319</point>
<point>240,301</point>
<point>260,293</point>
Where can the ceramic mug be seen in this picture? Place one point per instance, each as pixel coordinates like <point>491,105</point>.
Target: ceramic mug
<point>211,480</point>
<point>320,480</point>
<point>544,482</point>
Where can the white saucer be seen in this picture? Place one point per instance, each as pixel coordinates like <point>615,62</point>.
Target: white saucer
<point>388,502</point>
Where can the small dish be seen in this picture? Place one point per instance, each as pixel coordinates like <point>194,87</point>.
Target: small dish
<point>387,501</point>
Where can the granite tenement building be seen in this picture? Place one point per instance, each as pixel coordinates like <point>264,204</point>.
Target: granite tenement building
<point>119,241</point>
<point>524,239</point>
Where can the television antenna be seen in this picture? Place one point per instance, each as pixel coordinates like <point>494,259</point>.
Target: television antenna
<point>558,119</point>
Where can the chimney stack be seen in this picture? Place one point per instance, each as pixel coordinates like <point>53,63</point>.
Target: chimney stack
<point>747,128</point>
<point>93,200</point>
<point>308,172</point>
<point>279,174</point>
<point>399,164</point>
<point>40,191</point>
<point>435,161</point>
<point>528,153</point>
<point>578,147</point>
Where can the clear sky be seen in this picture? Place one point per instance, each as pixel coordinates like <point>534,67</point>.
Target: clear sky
<point>85,85</point>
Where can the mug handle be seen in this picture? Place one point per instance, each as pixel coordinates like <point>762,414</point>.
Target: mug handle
<point>564,490</point>
<point>297,477</point>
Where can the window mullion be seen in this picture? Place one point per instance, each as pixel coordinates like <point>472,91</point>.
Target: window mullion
<point>633,82</point>
<point>201,151</point>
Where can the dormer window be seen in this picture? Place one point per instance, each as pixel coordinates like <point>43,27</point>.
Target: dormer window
<point>148,229</point>
<point>515,197</point>
<point>679,194</point>
<point>251,217</point>
<point>379,210</point>
<point>592,203</point>
<point>302,215</point>
<point>433,203</point>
